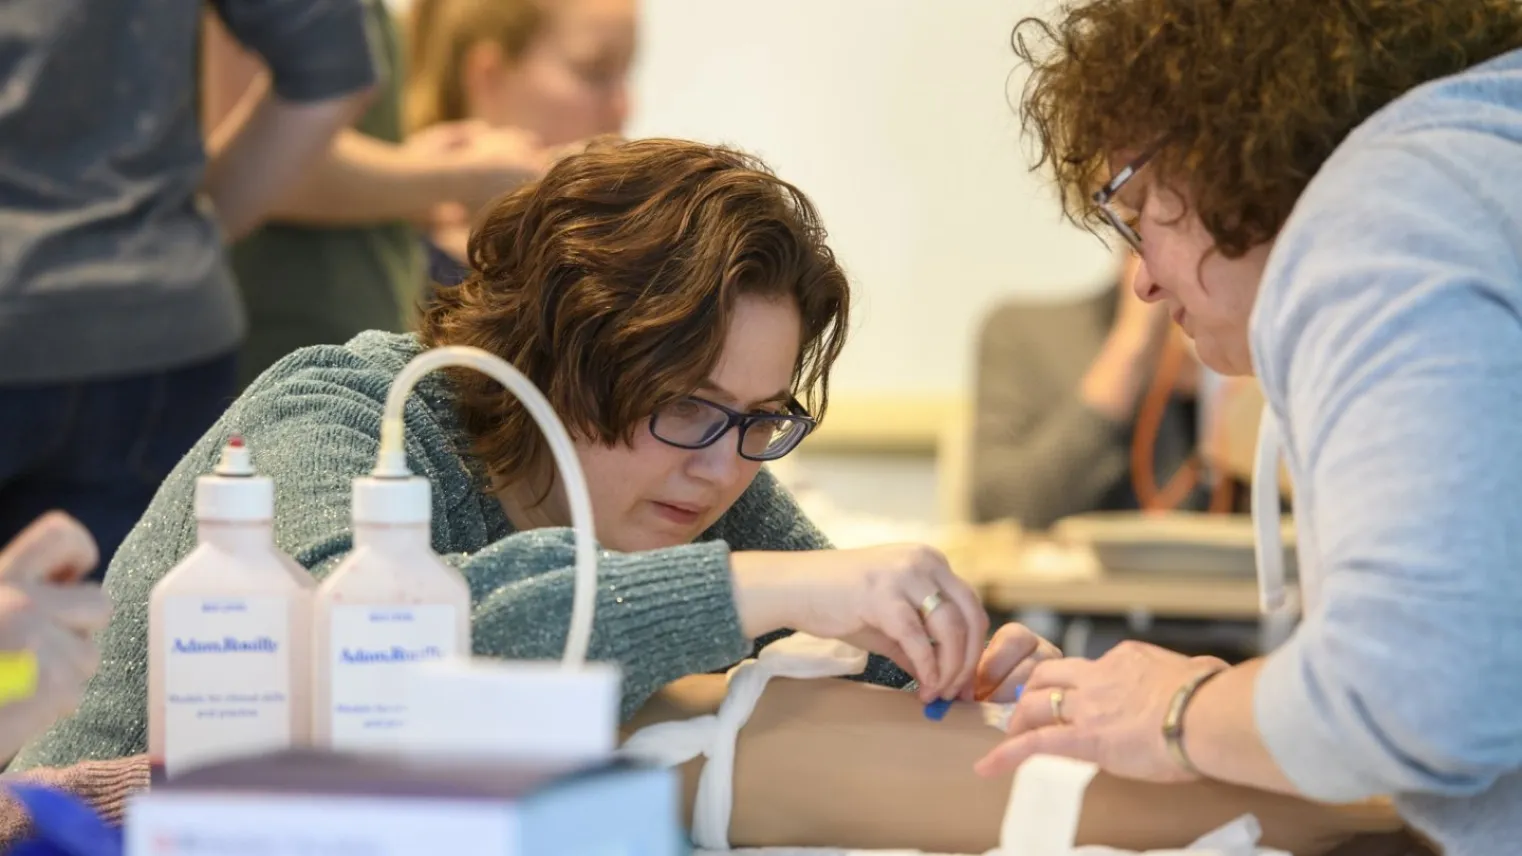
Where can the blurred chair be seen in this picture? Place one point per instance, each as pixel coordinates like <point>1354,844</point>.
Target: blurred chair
<point>1232,442</point>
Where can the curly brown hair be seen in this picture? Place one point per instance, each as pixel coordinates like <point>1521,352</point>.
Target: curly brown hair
<point>610,284</point>
<point>1252,96</point>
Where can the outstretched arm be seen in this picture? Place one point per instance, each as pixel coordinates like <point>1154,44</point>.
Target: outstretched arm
<point>360,179</point>
<point>831,763</point>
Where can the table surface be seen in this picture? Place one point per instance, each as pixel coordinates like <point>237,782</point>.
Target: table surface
<point>993,558</point>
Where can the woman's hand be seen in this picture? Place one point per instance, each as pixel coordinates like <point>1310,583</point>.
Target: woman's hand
<point>45,610</point>
<point>482,162</point>
<point>1108,711</point>
<point>1008,661</point>
<point>900,601</point>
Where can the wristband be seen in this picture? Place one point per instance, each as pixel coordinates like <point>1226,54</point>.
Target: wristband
<point>1173,723</point>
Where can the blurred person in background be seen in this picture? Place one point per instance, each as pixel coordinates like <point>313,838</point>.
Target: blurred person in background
<point>554,70</point>
<point>48,615</point>
<point>119,322</point>
<point>341,255</point>
<point>1092,405</point>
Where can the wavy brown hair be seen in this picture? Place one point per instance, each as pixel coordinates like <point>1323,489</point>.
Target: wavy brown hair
<point>610,284</point>
<point>1251,95</point>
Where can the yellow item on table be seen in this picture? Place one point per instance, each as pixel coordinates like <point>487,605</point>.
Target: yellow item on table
<point>18,676</point>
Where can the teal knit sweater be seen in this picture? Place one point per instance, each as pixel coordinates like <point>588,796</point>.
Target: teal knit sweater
<point>312,423</point>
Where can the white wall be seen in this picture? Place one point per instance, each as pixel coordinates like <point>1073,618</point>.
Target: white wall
<point>893,115</point>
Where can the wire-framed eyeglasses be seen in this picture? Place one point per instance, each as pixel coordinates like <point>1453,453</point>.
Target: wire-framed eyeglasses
<point>697,423</point>
<point>1122,217</point>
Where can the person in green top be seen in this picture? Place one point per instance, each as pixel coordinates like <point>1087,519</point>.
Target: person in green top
<point>340,255</point>
<point>678,306</point>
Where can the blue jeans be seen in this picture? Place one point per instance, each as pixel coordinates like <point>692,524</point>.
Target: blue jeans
<point>99,449</point>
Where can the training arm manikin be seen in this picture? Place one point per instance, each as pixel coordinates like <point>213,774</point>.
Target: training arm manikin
<point>834,763</point>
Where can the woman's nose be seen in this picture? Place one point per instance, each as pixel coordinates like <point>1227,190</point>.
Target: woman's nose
<point>718,463</point>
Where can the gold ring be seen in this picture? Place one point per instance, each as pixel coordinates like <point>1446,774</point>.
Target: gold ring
<point>930,604</point>
<point>1056,700</point>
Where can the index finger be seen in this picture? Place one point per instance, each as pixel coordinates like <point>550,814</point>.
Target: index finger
<point>903,626</point>
<point>947,626</point>
<point>81,609</point>
<point>967,601</point>
<point>55,548</point>
<point>1063,673</point>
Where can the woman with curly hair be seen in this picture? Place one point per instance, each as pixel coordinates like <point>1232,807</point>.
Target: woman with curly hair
<point>1323,193</point>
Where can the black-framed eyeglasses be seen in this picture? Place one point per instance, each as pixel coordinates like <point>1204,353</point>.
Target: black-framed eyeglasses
<point>1122,217</point>
<point>697,423</point>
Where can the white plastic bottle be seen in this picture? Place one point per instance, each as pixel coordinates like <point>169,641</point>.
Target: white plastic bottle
<point>391,604</point>
<point>229,631</point>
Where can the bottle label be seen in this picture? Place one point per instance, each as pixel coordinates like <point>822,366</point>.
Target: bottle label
<point>371,648</point>
<point>227,678</point>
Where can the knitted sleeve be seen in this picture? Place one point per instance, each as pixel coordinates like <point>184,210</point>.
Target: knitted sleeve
<point>105,785</point>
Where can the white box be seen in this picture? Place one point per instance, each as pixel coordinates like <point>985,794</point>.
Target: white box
<point>319,804</point>
<point>517,711</point>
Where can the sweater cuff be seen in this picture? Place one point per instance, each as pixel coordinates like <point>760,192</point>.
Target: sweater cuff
<point>661,615</point>
<point>669,614</point>
<point>676,599</point>
<point>1290,707</point>
<point>105,785</point>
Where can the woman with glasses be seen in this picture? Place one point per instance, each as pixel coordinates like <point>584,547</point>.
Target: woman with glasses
<point>678,306</point>
<point>1323,194</point>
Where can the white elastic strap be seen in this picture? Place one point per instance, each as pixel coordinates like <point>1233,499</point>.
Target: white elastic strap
<point>1046,804</point>
<point>1268,543</point>
<point>1239,836</point>
<point>673,743</point>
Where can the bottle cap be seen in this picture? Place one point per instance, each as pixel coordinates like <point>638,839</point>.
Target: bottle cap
<point>235,458</point>
<point>233,492</point>
<point>936,710</point>
<point>393,501</point>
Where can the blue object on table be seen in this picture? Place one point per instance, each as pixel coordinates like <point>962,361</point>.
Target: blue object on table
<point>65,824</point>
<point>936,710</point>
